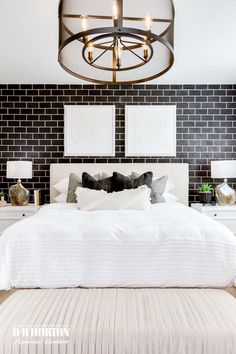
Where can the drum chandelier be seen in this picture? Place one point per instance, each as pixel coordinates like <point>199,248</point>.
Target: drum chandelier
<point>116,41</point>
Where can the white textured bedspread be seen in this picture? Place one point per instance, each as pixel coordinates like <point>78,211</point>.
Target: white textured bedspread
<point>168,246</point>
<point>118,321</point>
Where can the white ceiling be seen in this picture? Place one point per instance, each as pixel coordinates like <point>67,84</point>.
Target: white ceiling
<point>205,42</point>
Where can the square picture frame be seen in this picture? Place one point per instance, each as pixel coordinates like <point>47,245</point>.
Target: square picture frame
<point>150,130</point>
<point>89,130</point>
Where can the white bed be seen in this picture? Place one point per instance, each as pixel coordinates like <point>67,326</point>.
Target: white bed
<point>170,245</point>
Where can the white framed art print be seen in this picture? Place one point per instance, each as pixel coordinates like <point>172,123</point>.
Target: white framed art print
<point>89,130</point>
<point>150,130</point>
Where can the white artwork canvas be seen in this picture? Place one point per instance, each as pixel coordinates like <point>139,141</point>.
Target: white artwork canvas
<point>150,130</point>
<point>89,130</point>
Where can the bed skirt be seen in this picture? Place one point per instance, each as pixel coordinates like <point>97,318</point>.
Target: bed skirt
<point>118,321</point>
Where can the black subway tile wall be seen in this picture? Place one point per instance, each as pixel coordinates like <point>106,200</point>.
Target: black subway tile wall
<point>32,120</point>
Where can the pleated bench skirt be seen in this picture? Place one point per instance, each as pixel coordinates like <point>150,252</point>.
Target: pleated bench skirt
<point>118,321</point>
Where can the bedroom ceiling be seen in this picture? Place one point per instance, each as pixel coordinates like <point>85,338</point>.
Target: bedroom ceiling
<point>205,47</point>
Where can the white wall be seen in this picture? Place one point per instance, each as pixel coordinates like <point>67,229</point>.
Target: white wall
<point>205,42</point>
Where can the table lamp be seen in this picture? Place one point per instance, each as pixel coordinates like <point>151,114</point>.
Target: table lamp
<point>224,169</point>
<point>19,169</point>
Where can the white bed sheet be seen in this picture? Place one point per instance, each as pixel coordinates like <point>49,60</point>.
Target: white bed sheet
<point>168,246</point>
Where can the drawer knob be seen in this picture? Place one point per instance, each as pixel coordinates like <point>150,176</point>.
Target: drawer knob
<point>23,214</point>
<point>215,214</point>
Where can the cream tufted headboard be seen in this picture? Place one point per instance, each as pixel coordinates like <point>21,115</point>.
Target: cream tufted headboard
<point>177,172</point>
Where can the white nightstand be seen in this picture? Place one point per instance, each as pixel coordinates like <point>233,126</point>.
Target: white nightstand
<point>11,214</point>
<point>226,215</point>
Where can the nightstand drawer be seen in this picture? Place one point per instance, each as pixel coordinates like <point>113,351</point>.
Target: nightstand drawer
<point>5,223</point>
<point>10,215</point>
<point>220,214</point>
<point>226,215</point>
<point>16,214</point>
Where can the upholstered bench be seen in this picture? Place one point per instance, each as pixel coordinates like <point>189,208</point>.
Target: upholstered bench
<point>118,321</point>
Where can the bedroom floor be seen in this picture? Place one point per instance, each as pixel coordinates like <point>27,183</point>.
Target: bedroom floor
<point>5,294</point>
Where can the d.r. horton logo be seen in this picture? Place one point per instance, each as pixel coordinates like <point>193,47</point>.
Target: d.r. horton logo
<point>37,334</point>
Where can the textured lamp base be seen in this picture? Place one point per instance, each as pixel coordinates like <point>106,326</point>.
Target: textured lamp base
<point>224,194</point>
<point>19,195</point>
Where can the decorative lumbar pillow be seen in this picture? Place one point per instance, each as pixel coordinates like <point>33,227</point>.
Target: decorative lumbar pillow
<point>158,187</point>
<point>121,182</point>
<point>90,182</point>
<point>132,199</point>
<point>87,197</point>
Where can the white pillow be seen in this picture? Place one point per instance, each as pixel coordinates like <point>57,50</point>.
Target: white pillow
<point>62,185</point>
<point>128,199</point>
<point>61,198</point>
<point>170,197</point>
<point>169,186</point>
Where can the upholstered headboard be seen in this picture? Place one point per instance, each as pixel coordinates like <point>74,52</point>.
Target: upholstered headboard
<point>177,172</point>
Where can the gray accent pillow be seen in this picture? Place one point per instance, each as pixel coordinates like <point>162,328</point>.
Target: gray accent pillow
<point>74,182</point>
<point>157,188</point>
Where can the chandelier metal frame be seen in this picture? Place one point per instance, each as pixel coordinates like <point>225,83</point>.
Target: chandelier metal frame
<point>116,39</point>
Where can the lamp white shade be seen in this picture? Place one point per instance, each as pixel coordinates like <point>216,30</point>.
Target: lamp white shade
<point>19,169</point>
<point>223,169</point>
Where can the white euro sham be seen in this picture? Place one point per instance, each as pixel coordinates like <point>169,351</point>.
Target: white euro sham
<point>61,198</point>
<point>170,197</point>
<point>62,186</point>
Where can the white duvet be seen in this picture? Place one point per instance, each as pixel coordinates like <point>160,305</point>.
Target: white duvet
<point>168,246</point>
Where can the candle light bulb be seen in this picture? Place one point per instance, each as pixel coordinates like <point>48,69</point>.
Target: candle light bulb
<point>145,51</point>
<point>148,22</point>
<point>84,23</point>
<point>90,52</point>
<point>118,55</point>
<point>115,10</point>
